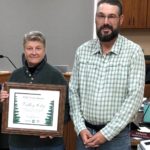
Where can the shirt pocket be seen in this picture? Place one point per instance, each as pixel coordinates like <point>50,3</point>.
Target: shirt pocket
<point>117,73</point>
<point>88,73</point>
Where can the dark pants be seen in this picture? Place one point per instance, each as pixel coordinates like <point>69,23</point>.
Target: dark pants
<point>3,137</point>
<point>60,147</point>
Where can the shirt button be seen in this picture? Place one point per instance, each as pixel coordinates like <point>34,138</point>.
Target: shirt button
<point>29,75</point>
<point>32,79</point>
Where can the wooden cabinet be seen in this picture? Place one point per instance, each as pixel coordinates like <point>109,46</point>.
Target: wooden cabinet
<point>148,14</point>
<point>135,13</point>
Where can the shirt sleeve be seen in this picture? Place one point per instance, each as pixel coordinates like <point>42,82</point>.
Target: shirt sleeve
<point>74,98</point>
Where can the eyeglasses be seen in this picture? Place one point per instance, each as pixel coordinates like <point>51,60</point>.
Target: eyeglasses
<point>110,18</point>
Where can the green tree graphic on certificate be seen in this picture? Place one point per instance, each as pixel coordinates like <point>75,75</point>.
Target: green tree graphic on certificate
<point>49,118</point>
<point>16,112</point>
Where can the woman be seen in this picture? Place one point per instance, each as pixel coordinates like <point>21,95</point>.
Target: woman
<point>36,70</point>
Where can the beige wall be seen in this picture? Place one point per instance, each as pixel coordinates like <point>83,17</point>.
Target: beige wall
<point>140,36</point>
<point>66,24</point>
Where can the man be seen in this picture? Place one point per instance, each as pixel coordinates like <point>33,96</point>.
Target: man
<point>36,70</point>
<point>107,84</point>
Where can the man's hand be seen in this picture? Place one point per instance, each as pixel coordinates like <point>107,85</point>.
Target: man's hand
<point>96,140</point>
<point>85,135</point>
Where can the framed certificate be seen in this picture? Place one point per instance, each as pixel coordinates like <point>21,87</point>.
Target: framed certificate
<point>34,109</point>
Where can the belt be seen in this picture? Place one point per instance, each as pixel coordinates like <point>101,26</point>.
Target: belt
<point>95,127</point>
<point>98,127</point>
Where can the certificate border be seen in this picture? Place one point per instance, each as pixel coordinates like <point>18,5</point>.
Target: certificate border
<point>24,131</point>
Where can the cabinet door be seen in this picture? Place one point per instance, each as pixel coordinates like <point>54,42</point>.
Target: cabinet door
<point>148,15</point>
<point>135,13</point>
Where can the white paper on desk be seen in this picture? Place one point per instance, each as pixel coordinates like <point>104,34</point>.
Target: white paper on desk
<point>141,109</point>
<point>144,129</point>
<point>144,99</point>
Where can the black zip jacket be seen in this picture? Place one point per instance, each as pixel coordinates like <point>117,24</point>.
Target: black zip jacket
<point>41,74</point>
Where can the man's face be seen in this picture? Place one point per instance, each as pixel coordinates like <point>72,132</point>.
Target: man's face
<point>34,52</point>
<point>108,22</point>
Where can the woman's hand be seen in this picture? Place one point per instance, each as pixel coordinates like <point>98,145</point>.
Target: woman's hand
<point>45,136</point>
<point>3,95</point>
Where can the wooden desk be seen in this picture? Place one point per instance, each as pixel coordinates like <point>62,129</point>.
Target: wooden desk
<point>147,90</point>
<point>135,142</point>
<point>69,133</point>
<point>4,76</point>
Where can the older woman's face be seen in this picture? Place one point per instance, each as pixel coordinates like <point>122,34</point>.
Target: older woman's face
<point>34,52</point>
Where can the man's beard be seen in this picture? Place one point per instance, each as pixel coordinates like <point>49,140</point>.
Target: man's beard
<point>109,37</point>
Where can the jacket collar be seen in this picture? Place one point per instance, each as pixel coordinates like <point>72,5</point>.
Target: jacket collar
<point>37,68</point>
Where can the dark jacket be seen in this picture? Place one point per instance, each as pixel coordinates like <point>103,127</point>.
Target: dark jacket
<point>42,74</point>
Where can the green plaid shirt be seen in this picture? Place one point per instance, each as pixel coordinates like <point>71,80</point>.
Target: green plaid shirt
<point>107,89</point>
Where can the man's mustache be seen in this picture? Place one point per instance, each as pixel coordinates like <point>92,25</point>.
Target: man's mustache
<point>106,26</point>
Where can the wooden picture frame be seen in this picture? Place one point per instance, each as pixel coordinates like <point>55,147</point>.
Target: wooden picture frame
<point>34,109</point>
